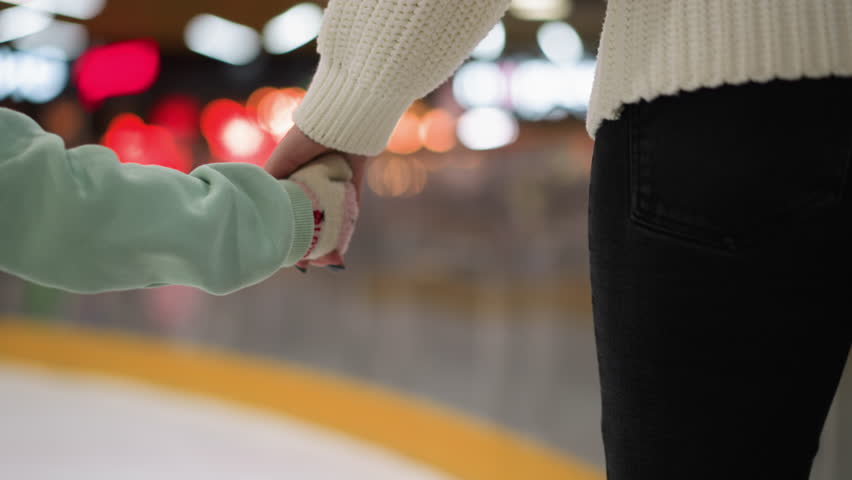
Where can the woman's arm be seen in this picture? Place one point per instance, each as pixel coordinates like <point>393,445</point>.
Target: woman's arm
<point>377,57</point>
<point>81,221</point>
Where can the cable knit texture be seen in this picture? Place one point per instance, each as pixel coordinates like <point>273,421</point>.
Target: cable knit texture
<point>660,47</point>
<point>378,56</point>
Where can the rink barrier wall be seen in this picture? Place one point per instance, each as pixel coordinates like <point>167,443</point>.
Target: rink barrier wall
<point>462,447</point>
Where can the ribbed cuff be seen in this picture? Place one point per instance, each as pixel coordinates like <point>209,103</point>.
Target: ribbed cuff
<point>342,114</point>
<point>303,222</point>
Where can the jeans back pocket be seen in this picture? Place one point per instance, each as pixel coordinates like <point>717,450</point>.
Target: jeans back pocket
<point>724,167</point>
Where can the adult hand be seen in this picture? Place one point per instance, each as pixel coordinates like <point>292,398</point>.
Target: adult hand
<point>294,151</point>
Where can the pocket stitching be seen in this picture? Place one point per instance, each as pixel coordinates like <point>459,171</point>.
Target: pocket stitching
<point>662,221</point>
<point>694,234</point>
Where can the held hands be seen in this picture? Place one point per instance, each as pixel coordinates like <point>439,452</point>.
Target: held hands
<point>333,181</point>
<point>327,181</point>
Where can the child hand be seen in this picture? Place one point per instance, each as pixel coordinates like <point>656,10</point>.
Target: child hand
<point>328,182</point>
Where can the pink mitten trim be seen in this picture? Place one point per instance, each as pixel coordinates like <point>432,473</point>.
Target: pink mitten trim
<point>350,215</point>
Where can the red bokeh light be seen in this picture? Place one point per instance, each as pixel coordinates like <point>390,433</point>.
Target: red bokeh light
<point>135,142</point>
<point>179,114</point>
<point>123,68</point>
<point>233,134</point>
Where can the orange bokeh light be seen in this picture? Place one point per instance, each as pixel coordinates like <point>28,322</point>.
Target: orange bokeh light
<point>438,131</point>
<point>254,99</point>
<point>275,110</point>
<point>393,176</point>
<point>405,138</point>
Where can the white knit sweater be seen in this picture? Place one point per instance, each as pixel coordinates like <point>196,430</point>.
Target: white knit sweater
<point>660,47</point>
<point>378,56</point>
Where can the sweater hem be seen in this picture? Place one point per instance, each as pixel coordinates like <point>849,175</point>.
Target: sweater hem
<point>595,119</point>
<point>662,48</point>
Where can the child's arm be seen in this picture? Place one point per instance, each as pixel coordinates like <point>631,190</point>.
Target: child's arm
<point>81,221</point>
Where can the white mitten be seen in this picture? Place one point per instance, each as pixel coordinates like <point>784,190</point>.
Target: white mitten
<point>327,181</point>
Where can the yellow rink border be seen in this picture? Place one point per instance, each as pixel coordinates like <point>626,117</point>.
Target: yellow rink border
<point>447,441</point>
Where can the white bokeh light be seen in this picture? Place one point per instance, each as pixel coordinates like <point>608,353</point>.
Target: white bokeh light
<point>242,138</point>
<point>8,80</point>
<point>535,89</point>
<point>491,47</point>
<point>538,88</point>
<point>560,43</point>
<point>71,38</point>
<point>480,84</point>
<point>222,39</point>
<point>487,128</point>
<point>293,28</point>
<point>37,77</point>
<point>17,22</point>
<point>82,9</point>
<point>576,82</point>
<point>541,9</point>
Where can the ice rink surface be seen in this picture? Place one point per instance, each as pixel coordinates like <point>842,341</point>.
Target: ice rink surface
<point>60,426</point>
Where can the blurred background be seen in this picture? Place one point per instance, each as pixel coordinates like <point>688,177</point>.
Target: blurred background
<point>467,281</point>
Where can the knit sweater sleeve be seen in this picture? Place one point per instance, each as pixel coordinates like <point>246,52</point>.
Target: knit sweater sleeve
<point>378,56</point>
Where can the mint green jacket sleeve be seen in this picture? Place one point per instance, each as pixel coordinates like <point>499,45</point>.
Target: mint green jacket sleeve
<point>81,221</point>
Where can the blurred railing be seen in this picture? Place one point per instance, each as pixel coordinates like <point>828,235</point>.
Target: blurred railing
<point>523,362</point>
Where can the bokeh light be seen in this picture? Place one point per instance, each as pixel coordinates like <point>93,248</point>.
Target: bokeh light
<point>438,131</point>
<point>242,137</point>
<point>560,43</point>
<point>17,22</point>
<point>179,114</point>
<point>71,38</point>
<point>480,84</point>
<point>254,99</point>
<point>123,68</point>
<point>541,9</point>
<point>82,9</point>
<point>222,39</point>
<point>491,47</point>
<point>38,76</point>
<point>487,128</point>
<point>395,176</point>
<point>233,133</point>
<point>274,109</point>
<point>536,87</point>
<point>135,142</point>
<point>293,28</point>
<point>405,138</point>
<point>576,85</point>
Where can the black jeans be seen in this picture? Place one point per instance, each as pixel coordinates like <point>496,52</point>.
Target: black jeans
<point>720,237</point>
